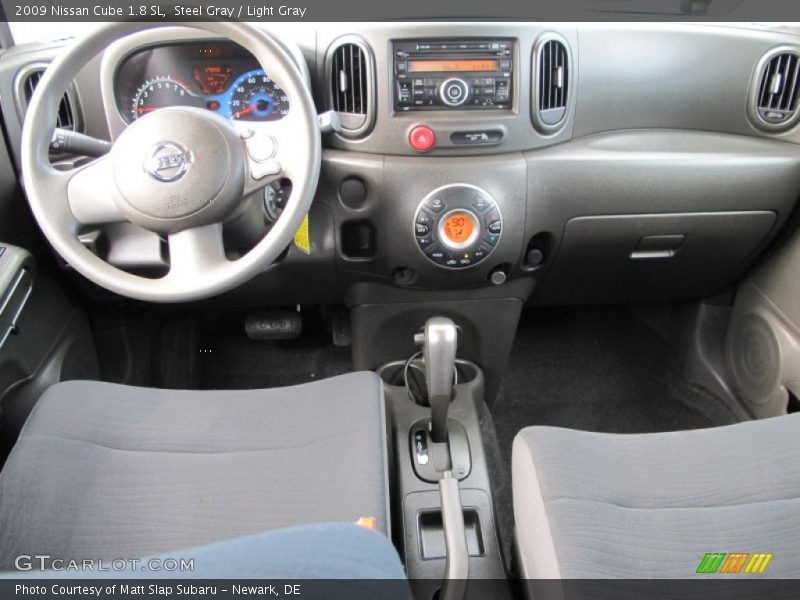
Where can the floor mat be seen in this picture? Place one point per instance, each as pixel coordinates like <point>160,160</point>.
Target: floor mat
<point>596,369</point>
<point>233,361</point>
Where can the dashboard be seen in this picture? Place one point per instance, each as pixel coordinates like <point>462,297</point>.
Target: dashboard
<point>217,76</point>
<point>555,163</point>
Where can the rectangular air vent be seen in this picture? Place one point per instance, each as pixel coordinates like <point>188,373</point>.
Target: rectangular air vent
<point>26,85</point>
<point>552,83</point>
<point>349,80</point>
<point>778,89</point>
<point>350,68</point>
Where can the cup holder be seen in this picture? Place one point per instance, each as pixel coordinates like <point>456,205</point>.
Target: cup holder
<point>394,373</point>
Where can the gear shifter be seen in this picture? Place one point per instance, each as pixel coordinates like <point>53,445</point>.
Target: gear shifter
<point>439,343</point>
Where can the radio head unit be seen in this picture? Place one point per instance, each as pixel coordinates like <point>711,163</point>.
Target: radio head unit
<point>474,74</point>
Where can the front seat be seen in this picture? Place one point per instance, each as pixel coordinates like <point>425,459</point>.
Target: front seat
<point>598,505</point>
<point>105,470</point>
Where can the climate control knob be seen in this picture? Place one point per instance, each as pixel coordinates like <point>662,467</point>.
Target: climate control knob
<point>454,91</point>
<point>457,226</point>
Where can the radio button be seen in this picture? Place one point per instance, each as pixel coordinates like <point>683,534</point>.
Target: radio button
<point>404,92</point>
<point>422,229</point>
<point>454,91</point>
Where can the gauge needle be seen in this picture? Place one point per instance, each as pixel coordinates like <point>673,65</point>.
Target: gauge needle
<point>246,111</point>
<point>144,109</point>
<point>257,105</point>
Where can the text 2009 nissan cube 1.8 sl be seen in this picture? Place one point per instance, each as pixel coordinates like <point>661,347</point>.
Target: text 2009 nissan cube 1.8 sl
<point>461,308</point>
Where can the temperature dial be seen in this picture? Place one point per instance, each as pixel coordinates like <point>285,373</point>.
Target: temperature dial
<point>457,226</point>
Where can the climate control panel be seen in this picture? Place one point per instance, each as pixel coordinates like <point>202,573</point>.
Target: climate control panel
<point>457,226</point>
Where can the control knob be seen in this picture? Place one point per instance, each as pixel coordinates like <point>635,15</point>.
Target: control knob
<point>454,91</point>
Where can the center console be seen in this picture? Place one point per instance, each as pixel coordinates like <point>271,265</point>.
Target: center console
<point>442,496</point>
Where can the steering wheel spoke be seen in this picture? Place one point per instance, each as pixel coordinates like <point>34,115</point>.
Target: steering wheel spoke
<point>196,253</point>
<point>92,194</point>
<point>270,153</point>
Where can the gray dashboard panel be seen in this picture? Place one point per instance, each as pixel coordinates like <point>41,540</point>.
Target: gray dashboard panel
<point>656,172</point>
<point>661,75</point>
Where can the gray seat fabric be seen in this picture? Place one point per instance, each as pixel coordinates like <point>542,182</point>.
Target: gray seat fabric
<point>596,505</point>
<point>104,470</point>
<point>318,551</point>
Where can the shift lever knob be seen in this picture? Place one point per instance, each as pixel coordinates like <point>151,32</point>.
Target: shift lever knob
<point>439,355</point>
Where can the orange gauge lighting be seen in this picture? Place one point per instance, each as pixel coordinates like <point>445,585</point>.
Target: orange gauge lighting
<point>458,227</point>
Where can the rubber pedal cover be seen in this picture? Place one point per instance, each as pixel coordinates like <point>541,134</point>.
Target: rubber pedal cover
<point>273,325</point>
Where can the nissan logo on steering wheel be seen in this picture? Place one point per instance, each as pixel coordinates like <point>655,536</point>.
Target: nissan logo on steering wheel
<point>168,161</point>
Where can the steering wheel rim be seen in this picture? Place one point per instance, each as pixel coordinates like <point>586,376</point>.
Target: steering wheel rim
<point>198,266</point>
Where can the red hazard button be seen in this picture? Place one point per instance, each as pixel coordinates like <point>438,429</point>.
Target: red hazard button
<point>422,138</point>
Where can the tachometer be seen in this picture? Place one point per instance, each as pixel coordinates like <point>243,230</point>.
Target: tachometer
<point>257,98</point>
<point>160,92</point>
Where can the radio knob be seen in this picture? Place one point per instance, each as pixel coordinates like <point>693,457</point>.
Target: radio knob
<point>454,91</point>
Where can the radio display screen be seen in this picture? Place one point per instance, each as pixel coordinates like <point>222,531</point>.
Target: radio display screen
<point>438,66</point>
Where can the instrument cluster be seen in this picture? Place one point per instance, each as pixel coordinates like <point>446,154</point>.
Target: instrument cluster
<point>221,77</point>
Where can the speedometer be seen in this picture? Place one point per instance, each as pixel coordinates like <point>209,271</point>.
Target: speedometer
<point>257,98</point>
<point>159,92</point>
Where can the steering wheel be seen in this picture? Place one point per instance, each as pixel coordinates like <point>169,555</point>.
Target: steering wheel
<point>179,172</point>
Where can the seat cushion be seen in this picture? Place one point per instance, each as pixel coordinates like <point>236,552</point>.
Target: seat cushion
<point>319,551</point>
<point>595,505</point>
<point>104,470</point>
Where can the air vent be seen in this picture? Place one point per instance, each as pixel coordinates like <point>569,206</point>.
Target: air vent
<point>552,66</point>
<point>26,83</point>
<point>350,68</point>
<point>778,87</point>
